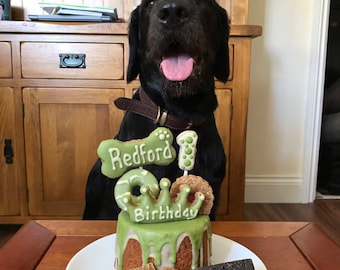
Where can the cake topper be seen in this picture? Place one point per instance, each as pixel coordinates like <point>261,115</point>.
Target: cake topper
<point>155,202</point>
<point>187,141</point>
<point>117,156</point>
<point>153,206</point>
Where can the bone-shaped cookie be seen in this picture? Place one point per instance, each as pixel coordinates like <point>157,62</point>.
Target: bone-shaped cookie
<point>118,156</point>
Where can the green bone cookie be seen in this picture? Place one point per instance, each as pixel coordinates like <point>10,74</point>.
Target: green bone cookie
<point>118,156</point>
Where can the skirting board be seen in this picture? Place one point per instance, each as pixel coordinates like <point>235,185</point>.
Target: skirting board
<point>273,189</point>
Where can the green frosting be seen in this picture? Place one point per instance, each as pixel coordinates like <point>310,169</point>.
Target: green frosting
<point>156,236</point>
<point>118,156</point>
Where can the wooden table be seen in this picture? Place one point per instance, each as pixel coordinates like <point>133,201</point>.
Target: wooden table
<point>280,245</point>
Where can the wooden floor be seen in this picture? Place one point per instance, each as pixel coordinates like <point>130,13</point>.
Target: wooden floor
<point>325,213</point>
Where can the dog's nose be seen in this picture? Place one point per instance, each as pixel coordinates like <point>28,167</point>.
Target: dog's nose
<point>173,14</point>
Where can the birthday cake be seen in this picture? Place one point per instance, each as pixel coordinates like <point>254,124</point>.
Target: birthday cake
<point>166,225</point>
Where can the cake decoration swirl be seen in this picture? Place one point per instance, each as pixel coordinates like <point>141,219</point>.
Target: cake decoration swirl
<point>133,178</point>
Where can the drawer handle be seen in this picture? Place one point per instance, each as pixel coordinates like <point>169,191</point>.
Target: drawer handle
<point>70,60</point>
<point>8,151</point>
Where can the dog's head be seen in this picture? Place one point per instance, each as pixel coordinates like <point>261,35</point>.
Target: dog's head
<point>179,46</point>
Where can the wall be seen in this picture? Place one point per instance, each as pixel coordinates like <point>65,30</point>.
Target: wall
<point>279,88</point>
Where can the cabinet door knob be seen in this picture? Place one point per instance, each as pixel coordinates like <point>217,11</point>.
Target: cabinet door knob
<point>8,151</point>
<point>70,60</point>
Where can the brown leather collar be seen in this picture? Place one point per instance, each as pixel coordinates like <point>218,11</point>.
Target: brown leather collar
<point>146,107</point>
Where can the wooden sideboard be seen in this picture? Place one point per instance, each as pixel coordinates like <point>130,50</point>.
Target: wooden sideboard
<point>53,118</point>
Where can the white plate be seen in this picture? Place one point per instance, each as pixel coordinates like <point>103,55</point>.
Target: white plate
<point>100,254</point>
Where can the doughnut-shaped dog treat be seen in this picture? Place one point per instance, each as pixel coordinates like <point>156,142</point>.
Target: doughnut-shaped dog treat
<point>196,184</point>
<point>136,177</point>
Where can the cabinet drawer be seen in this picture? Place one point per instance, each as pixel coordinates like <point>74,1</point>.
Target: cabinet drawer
<point>5,60</point>
<point>102,61</point>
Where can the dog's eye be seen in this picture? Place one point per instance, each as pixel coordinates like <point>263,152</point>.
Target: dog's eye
<point>149,3</point>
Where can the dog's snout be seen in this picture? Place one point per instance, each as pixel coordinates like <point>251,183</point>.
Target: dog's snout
<point>173,14</point>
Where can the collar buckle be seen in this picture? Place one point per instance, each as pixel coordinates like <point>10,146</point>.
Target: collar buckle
<point>161,117</point>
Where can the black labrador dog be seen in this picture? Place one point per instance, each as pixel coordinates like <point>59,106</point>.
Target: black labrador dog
<point>177,47</point>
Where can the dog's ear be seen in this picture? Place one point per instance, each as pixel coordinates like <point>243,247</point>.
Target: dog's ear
<point>133,67</point>
<point>221,70</point>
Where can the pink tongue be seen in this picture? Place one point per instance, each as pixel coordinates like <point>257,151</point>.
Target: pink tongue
<point>177,68</point>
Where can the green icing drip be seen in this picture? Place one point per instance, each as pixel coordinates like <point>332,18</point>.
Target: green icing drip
<point>159,234</point>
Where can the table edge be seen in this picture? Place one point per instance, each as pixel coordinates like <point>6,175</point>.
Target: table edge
<point>309,240</point>
<point>306,236</point>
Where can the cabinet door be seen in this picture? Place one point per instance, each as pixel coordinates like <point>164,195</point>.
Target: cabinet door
<point>9,190</point>
<point>223,116</point>
<point>63,128</point>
